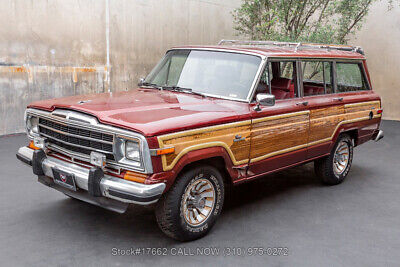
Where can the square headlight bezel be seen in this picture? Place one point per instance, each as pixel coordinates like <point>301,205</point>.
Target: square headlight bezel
<point>120,152</point>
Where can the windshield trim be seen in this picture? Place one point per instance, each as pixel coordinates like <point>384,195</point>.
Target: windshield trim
<point>256,78</point>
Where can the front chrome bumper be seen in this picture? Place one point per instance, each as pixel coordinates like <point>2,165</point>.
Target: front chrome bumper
<point>121,191</point>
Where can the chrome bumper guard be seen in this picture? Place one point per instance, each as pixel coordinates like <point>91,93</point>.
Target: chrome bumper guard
<point>378,135</point>
<point>117,193</point>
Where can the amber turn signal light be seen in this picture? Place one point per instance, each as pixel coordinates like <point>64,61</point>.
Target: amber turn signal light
<point>135,177</point>
<point>32,146</point>
<point>162,151</point>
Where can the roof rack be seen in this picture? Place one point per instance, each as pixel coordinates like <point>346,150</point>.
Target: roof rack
<point>297,46</point>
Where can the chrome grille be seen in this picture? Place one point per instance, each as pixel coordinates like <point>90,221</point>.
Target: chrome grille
<point>76,139</point>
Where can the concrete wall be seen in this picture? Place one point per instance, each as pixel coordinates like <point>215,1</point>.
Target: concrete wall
<point>142,34</point>
<point>380,38</point>
<point>58,48</point>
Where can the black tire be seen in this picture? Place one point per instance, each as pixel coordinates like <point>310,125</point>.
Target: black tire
<point>70,197</point>
<point>170,208</point>
<point>324,167</point>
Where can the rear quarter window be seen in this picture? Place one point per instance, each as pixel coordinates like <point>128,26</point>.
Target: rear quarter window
<point>350,77</point>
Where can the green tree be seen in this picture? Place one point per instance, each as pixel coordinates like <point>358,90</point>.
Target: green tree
<point>319,21</point>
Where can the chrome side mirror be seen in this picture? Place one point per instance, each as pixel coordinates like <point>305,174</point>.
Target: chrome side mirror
<point>264,100</point>
<point>141,81</point>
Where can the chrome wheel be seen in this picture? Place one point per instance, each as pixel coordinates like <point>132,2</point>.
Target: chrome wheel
<point>341,158</point>
<point>198,202</point>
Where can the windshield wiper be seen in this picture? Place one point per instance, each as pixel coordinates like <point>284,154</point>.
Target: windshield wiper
<point>152,85</point>
<point>173,88</point>
<point>182,89</point>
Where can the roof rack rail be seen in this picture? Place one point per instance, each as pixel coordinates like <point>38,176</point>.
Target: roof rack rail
<point>297,46</point>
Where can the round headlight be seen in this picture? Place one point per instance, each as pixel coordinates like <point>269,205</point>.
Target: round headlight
<point>132,150</point>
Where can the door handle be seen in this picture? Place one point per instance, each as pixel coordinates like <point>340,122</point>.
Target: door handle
<point>239,138</point>
<point>305,103</point>
<point>338,99</point>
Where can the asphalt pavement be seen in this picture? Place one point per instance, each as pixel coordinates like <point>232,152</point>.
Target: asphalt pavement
<point>356,223</point>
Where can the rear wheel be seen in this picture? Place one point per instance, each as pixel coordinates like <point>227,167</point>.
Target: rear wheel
<point>190,208</point>
<point>334,168</point>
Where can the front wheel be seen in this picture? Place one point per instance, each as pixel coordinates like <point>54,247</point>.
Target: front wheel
<point>334,168</point>
<point>190,208</point>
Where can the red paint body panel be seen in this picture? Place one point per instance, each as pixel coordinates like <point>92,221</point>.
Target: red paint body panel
<point>278,162</point>
<point>152,112</point>
<point>364,129</point>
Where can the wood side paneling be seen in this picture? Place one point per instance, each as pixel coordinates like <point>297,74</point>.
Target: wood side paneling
<point>358,110</point>
<point>324,121</point>
<point>268,136</point>
<point>274,135</point>
<point>207,137</point>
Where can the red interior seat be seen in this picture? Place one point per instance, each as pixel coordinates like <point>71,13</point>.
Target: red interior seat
<point>319,91</point>
<point>280,94</point>
<point>291,90</point>
<point>313,90</point>
<point>308,90</point>
<point>280,87</point>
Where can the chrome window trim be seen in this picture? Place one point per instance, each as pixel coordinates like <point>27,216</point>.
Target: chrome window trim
<point>332,60</point>
<point>89,122</point>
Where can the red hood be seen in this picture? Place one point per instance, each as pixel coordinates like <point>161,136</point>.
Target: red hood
<point>150,111</point>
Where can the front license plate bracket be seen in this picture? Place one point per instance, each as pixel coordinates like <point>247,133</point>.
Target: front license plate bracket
<point>64,179</point>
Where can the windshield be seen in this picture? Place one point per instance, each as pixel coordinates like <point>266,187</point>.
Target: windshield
<point>207,72</point>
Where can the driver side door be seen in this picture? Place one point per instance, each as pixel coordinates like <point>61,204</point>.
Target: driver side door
<point>279,133</point>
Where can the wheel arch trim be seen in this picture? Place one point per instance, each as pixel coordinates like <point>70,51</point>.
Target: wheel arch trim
<point>189,149</point>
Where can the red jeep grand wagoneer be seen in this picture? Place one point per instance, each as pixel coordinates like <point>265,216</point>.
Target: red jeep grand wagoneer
<point>206,118</point>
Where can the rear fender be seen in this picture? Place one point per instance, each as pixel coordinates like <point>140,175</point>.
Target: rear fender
<point>355,131</point>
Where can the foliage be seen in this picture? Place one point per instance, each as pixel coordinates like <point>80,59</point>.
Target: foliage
<point>319,21</point>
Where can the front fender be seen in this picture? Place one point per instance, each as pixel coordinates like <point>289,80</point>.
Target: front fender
<point>195,156</point>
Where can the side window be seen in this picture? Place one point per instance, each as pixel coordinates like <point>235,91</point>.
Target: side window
<point>283,75</point>
<point>350,77</point>
<point>328,77</point>
<point>286,70</point>
<point>263,85</point>
<point>317,77</point>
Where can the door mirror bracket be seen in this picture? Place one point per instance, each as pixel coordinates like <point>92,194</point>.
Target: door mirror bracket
<point>141,81</point>
<point>264,100</point>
